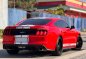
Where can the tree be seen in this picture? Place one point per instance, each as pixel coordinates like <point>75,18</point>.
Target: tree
<point>56,10</point>
<point>26,4</point>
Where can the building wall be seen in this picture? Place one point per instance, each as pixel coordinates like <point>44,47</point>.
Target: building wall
<point>47,3</point>
<point>16,15</point>
<point>77,8</point>
<point>76,3</point>
<point>3,13</point>
<point>48,0</point>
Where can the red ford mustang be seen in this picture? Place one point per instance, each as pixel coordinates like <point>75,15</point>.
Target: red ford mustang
<point>52,34</point>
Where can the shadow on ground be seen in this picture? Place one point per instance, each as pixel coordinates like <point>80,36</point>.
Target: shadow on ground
<point>24,54</point>
<point>29,54</point>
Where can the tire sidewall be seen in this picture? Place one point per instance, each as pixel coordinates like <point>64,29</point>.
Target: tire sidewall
<point>79,43</point>
<point>59,49</point>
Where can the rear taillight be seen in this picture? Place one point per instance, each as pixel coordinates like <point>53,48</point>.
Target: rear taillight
<point>7,32</point>
<point>4,33</point>
<point>41,32</point>
<point>38,33</point>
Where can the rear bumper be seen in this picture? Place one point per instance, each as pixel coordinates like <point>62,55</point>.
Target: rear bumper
<point>23,46</point>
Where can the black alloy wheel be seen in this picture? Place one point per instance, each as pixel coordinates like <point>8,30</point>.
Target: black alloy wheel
<point>79,43</point>
<point>59,49</point>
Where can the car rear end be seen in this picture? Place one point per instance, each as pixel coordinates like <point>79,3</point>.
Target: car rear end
<point>22,36</point>
<point>27,37</point>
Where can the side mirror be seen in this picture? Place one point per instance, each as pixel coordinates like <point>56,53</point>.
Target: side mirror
<point>72,27</point>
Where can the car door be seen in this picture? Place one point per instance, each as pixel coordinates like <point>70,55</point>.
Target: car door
<point>73,39</point>
<point>66,33</point>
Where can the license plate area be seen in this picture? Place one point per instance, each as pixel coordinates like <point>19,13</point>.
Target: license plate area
<point>21,39</point>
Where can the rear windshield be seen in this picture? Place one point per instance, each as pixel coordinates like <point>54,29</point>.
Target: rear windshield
<point>35,22</point>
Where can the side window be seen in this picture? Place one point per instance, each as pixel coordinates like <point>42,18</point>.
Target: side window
<point>61,23</point>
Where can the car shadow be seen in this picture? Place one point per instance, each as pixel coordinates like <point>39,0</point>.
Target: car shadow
<point>25,54</point>
<point>29,54</point>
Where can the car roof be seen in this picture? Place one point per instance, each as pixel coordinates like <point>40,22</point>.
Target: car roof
<point>51,18</point>
<point>48,18</point>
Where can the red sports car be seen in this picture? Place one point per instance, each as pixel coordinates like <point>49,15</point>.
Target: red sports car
<point>52,34</point>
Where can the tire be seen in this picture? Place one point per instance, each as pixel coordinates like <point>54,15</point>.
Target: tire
<point>79,44</point>
<point>58,49</point>
<point>12,52</point>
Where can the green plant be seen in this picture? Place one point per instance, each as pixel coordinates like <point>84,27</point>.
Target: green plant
<point>1,33</point>
<point>25,4</point>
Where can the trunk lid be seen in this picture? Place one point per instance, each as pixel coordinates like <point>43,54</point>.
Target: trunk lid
<point>24,30</point>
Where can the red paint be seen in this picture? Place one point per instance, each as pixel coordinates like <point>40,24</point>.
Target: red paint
<point>20,22</point>
<point>61,2</point>
<point>75,5</point>
<point>49,40</point>
<point>50,3</point>
<point>75,13</point>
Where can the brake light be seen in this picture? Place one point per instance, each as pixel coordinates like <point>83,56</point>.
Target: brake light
<point>7,32</point>
<point>38,33</point>
<point>41,32</point>
<point>4,32</point>
<point>45,32</point>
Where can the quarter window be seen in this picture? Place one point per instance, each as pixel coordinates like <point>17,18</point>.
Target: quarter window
<point>61,23</point>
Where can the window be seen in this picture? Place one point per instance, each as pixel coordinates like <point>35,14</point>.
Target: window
<point>35,22</point>
<point>61,23</point>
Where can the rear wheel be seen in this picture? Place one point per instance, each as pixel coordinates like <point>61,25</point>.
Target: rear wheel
<point>58,50</point>
<point>79,44</point>
<point>12,51</point>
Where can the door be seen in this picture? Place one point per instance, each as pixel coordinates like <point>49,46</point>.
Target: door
<point>66,32</point>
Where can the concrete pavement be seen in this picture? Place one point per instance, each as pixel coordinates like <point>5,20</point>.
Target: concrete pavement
<point>83,34</point>
<point>76,55</point>
<point>83,56</point>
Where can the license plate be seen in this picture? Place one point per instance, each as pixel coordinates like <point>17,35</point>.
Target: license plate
<point>21,40</point>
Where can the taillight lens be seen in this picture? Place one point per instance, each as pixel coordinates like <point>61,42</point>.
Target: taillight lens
<point>45,33</point>
<point>38,33</point>
<point>7,32</point>
<point>41,32</point>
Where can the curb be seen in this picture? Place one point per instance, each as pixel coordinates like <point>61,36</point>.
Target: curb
<point>73,55</point>
<point>83,32</point>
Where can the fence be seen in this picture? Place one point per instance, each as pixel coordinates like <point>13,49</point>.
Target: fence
<point>79,23</point>
<point>15,15</point>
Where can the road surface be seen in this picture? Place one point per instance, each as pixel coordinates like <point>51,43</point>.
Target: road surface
<point>37,55</point>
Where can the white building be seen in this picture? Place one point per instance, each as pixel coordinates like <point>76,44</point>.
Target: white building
<point>3,13</point>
